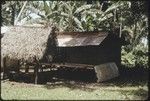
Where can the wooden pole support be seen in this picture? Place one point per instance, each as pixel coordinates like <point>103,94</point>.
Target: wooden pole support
<point>26,68</point>
<point>18,66</point>
<point>36,70</point>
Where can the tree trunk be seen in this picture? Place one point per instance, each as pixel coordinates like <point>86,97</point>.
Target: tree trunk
<point>13,15</point>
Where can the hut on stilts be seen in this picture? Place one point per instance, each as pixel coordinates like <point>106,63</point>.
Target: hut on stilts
<point>27,45</point>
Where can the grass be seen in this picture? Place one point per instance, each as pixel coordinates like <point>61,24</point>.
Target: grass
<point>130,85</point>
<point>23,91</point>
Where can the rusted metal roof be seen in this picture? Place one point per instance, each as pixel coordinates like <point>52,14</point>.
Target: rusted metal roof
<point>71,39</point>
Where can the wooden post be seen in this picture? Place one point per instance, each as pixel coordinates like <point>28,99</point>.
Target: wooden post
<point>26,68</point>
<point>18,66</point>
<point>41,69</point>
<point>36,70</point>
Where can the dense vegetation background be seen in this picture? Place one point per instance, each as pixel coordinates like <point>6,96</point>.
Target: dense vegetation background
<point>127,19</point>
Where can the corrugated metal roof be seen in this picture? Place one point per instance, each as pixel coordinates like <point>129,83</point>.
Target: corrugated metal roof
<point>71,39</point>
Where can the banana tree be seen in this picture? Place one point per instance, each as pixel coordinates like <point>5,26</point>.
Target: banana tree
<point>71,14</point>
<point>46,12</point>
<point>97,18</point>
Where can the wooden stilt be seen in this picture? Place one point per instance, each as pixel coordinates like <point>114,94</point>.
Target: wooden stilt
<point>36,70</point>
<point>18,67</point>
<point>26,68</point>
<point>41,69</point>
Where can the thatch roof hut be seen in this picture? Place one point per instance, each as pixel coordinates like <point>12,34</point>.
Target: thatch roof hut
<point>27,42</point>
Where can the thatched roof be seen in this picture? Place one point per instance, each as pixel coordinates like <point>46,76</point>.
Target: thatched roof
<point>71,39</point>
<point>23,42</point>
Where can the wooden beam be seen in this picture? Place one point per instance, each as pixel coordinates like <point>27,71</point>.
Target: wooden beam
<point>73,65</point>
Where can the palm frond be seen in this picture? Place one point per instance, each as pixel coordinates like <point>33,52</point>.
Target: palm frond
<point>46,8</point>
<point>52,13</point>
<point>113,6</point>
<point>65,14</point>
<point>67,6</point>
<point>84,7</point>
<point>78,23</point>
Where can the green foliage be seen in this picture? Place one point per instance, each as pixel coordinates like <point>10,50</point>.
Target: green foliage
<point>130,17</point>
<point>10,10</point>
<point>137,57</point>
<point>141,54</point>
<point>128,58</point>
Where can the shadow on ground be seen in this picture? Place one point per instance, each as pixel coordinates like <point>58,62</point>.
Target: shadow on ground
<point>80,78</point>
<point>131,77</point>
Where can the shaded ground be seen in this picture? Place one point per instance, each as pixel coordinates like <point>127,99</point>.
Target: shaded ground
<point>127,77</point>
<point>131,84</point>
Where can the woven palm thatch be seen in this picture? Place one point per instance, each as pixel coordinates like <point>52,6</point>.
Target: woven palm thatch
<point>25,43</point>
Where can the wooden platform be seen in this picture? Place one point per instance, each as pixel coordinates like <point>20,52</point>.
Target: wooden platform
<point>69,65</point>
<point>39,67</point>
<point>72,65</point>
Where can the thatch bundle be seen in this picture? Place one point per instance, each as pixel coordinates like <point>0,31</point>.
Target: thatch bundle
<point>25,43</point>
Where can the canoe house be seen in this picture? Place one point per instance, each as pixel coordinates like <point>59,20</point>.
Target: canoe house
<point>88,48</point>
